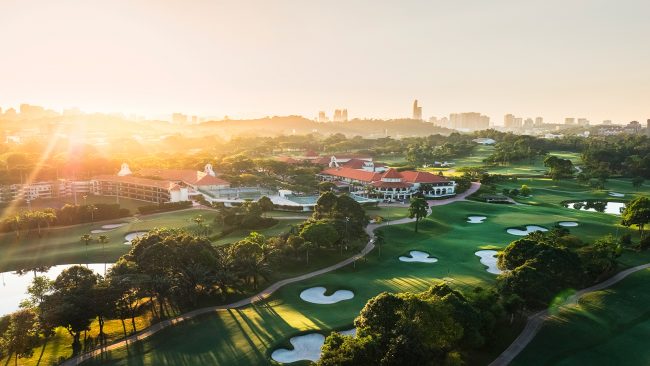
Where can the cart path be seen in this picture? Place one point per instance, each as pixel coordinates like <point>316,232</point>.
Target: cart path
<point>535,321</point>
<point>155,328</point>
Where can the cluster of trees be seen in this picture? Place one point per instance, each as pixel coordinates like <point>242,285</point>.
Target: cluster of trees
<point>627,155</point>
<point>515,148</point>
<point>249,216</point>
<point>435,327</point>
<point>164,207</point>
<point>427,150</point>
<point>558,168</point>
<point>541,265</point>
<point>38,220</point>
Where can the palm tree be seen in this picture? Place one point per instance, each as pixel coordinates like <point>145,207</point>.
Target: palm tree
<point>86,238</point>
<point>199,223</point>
<point>92,209</point>
<point>379,240</point>
<point>418,210</point>
<point>307,246</point>
<point>103,239</point>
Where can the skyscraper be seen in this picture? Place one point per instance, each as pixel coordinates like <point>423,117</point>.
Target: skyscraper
<point>509,121</point>
<point>337,115</point>
<point>417,111</point>
<point>322,117</point>
<point>539,121</point>
<point>469,121</point>
<point>344,115</point>
<point>179,118</point>
<point>569,121</point>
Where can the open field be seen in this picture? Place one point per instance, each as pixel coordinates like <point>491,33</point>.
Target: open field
<point>248,335</point>
<point>62,245</point>
<point>609,327</point>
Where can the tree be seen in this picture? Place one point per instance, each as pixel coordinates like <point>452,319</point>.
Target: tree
<point>558,167</point>
<point>637,182</point>
<point>86,238</point>
<point>295,243</point>
<point>326,186</point>
<point>637,212</point>
<point>265,204</point>
<point>41,286</point>
<point>418,210</point>
<point>22,334</point>
<point>524,190</point>
<point>321,233</point>
<point>71,303</point>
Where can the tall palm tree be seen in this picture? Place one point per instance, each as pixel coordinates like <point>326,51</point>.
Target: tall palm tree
<point>103,239</point>
<point>418,210</point>
<point>86,238</point>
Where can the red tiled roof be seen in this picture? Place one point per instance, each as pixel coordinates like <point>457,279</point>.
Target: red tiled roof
<point>192,177</point>
<point>422,177</point>
<point>354,164</point>
<point>322,161</point>
<point>356,174</point>
<point>164,184</point>
<point>392,173</point>
<point>311,153</point>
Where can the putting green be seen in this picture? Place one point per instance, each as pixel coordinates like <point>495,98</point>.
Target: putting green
<point>610,327</point>
<point>248,335</point>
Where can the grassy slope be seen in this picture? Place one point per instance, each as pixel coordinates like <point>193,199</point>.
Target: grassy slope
<point>609,327</point>
<point>247,336</point>
<point>63,245</point>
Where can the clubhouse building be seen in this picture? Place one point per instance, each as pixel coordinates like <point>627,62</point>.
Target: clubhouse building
<point>390,184</point>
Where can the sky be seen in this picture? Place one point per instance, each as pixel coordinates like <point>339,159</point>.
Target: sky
<point>255,58</point>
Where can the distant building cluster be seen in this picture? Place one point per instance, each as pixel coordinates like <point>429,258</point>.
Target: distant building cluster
<point>340,115</point>
<point>511,122</point>
<point>183,119</point>
<point>417,111</point>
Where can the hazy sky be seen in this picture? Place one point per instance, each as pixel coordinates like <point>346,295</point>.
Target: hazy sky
<point>555,59</point>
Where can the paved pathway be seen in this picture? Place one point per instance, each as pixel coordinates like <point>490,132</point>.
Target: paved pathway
<point>536,320</point>
<point>155,328</point>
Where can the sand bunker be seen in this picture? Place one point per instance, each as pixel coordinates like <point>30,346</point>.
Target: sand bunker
<point>529,229</point>
<point>305,347</point>
<point>488,258</point>
<point>418,256</point>
<point>113,226</point>
<point>476,219</point>
<point>107,227</point>
<point>130,236</point>
<point>616,194</point>
<point>568,223</point>
<point>317,295</point>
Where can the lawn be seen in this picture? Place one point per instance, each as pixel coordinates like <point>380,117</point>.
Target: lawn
<point>131,204</point>
<point>63,245</point>
<point>388,212</point>
<point>248,335</point>
<point>609,327</point>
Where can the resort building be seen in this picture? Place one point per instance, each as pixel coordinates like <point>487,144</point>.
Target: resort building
<point>143,189</point>
<point>391,184</point>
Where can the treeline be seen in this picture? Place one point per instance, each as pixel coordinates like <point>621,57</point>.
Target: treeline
<point>67,215</point>
<point>164,207</point>
<point>446,326</point>
<point>427,150</point>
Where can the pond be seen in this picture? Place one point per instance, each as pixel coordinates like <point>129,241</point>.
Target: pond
<point>610,207</point>
<point>13,286</point>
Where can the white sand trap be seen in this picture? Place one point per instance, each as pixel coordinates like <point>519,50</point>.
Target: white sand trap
<point>476,219</point>
<point>316,295</point>
<point>489,259</point>
<point>568,223</point>
<point>418,256</point>
<point>305,347</point>
<point>529,229</point>
<point>130,236</point>
<point>98,231</point>
<point>113,226</point>
<point>616,194</point>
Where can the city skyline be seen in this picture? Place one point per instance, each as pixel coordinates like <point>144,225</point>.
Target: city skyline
<point>553,59</point>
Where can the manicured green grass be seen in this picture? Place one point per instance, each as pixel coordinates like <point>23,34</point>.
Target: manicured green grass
<point>388,212</point>
<point>609,327</point>
<point>248,336</point>
<point>64,246</point>
<point>549,192</point>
